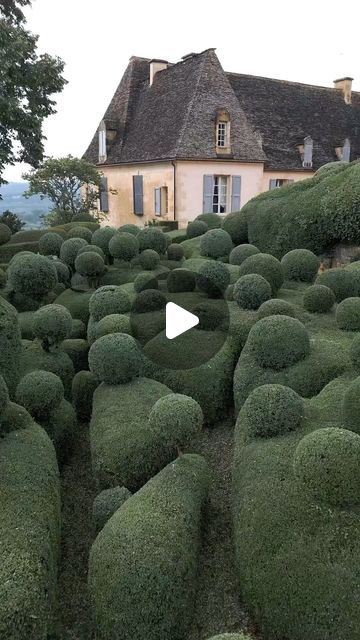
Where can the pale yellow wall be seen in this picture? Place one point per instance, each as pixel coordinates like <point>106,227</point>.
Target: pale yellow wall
<point>287,175</point>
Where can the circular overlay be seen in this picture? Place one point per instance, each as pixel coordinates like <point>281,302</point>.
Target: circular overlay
<point>151,320</point>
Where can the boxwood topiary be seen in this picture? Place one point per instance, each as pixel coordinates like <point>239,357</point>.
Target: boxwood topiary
<point>124,246</point>
<point>355,352</point>
<point>326,464</point>
<point>106,503</point>
<point>318,299</point>
<point>351,405</point>
<point>5,234</point>
<point>215,243</point>
<point>213,278</point>
<point>301,265</point>
<point>177,420</point>
<point>271,410</point>
<point>348,314</point>
<point>10,345</point>
<point>4,396</point>
<point>80,232</point>
<point>180,280</point>
<point>52,324</point>
<point>251,291</point>
<point>266,266</point>
<point>63,272</point>
<point>149,259</point>
<point>213,220</point>
<point>40,392</point>
<point>149,300</point>
<point>130,228</point>
<point>276,307</point>
<point>175,252</point>
<point>34,357</point>
<point>115,358</point>
<point>343,283</point>
<point>196,228</point>
<point>3,279</point>
<point>78,351</point>
<point>278,341</point>
<point>108,300</point>
<point>83,387</point>
<point>145,281</point>
<point>91,247</point>
<point>69,250</point>
<point>152,238</point>
<point>50,244</point>
<point>236,226</point>
<point>114,323</point>
<point>32,275</point>
<point>101,238</point>
<point>241,252</point>
<point>211,317</point>
<point>90,265</point>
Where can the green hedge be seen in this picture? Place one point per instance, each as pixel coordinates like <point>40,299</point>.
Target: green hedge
<point>34,357</point>
<point>318,299</point>
<point>106,503</point>
<point>143,564</point>
<point>301,265</point>
<point>251,291</point>
<point>236,226</point>
<point>278,341</point>
<point>83,387</point>
<point>348,314</point>
<point>276,307</point>
<point>266,266</point>
<point>343,283</point>
<point>10,345</point>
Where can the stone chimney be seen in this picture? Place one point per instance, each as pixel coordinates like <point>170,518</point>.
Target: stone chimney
<point>155,66</point>
<point>344,85</point>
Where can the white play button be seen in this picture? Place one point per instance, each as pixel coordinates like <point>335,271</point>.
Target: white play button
<point>178,320</point>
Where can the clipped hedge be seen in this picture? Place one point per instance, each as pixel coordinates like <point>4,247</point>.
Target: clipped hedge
<point>180,280</point>
<point>101,238</point>
<point>5,233</point>
<point>236,226</point>
<point>52,324</point>
<point>149,259</point>
<point>343,283</point>
<point>34,357</point>
<point>213,220</point>
<point>90,265</point>
<point>251,291</point>
<point>10,345</point>
<point>107,300</point>
<point>32,275</point>
<point>276,307</point>
<point>213,278</point>
<point>40,392</point>
<point>175,252</point>
<point>348,314</point>
<point>69,250</point>
<point>351,406</point>
<point>149,300</point>
<point>124,246</point>
<point>266,266</point>
<point>50,244</point>
<point>196,228</point>
<point>106,503</point>
<point>115,358</point>
<point>83,387</point>
<point>215,243</point>
<point>301,265</point>
<point>145,281</point>
<point>80,232</point>
<point>241,252</point>
<point>271,410</point>
<point>130,228</point>
<point>278,341</point>
<point>152,238</point>
<point>318,299</point>
<point>355,352</point>
<point>114,323</point>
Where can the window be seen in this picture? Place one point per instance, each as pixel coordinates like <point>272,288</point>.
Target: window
<point>222,134</point>
<point>275,183</point>
<point>102,143</point>
<point>160,200</point>
<point>346,151</point>
<point>138,195</point>
<point>219,194</point>
<point>308,152</point>
<point>104,195</point>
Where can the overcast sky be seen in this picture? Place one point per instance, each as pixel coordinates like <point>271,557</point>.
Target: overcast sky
<point>313,41</point>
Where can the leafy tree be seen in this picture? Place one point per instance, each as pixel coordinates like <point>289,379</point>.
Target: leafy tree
<point>72,184</point>
<point>12,221</point>
<point>28,82</point>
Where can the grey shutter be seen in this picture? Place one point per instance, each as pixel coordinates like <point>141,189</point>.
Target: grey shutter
<point>208,191</point>
<point>346,151</point>
<point>138,195</point>
<point>235,193</point>
<point>104,195</point>
<point>272,183</point>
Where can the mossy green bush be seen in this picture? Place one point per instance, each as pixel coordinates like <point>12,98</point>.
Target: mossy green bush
<point>155,597</point>
<point>40,392</point>
<point>50,244</point>
<point>180,280</point>
<point>351,406</point>
<point>63,272</point>
<point>4,396</point>
<point>34,357</point>
<point>213,278</point>
<point>130,228</point>
<point>80,232</point>
<point>69,250</point>
<point>124,246</point>
<point>196,228</point>
<point>78,351</point>
<point>177,420</point>
<point>271,410</point>
<point>115,358</point>
<point>149,300</point>
<point>83,387</point>
<point>3,279</point>
<point>10,345</point>
<point>91,247</point>
<point>239,253</point>
<point>149,259</point>
<point>77,302</point>
<point>145,281</point>
<point>107,300</point>
<point>211,317</point>
<point>276,307</point>
<point>175,252</point>
<point>301,265</point>
<point>101,238</point>
<point>215,243</point>
<point>355,352</point>
<point>266,266</point>
<point>32,275</point>
<point>348,314</point>
<point>251,291</point>
<point>90,265</point>
<point>114,323</point>
<point>236,226</point>
<point>343,283</point>
<point>152,238</point>
<point>213,220</point>
<point>78,330</point>
<point>318,299</point>
<point>106,503</point>
<point>5,234</point>
<point>278,341</point>
<point>52,324</point>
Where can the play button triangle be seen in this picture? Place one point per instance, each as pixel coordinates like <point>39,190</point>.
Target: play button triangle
<point>178,320</point>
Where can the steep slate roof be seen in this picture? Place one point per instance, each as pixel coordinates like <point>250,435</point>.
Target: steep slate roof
<point>175,117</point>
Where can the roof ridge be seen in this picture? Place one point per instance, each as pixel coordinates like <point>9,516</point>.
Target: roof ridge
<point>190,105</point>
<point>294,82</point>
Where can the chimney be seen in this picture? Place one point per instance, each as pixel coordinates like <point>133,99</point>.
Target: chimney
<point>155,66</point>
<point>344,85</point>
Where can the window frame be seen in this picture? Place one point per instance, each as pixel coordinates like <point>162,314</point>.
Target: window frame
<point>222,134</point>
<point>220,194</point>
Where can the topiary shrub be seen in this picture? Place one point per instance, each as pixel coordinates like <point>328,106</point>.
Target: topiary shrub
<point>276,307</point>
<point>241,252</point>
<point>351,405</point>
<point>149,259</point>
<point>40,392</point>
<point>5,234</point>
<point>211,317</point>
<point>124,246</point>
<point>145,281</point>
<point>34,357</point>
<point>93,248</point>
<point>196,228</point>
<point>236,226</point>
<point>50,244</point>
<point>115,358</point>
<point>69,250</point>
<point>326,464</point>
<point>213,220</point>
<point>3,279</point>
<point>63,272</point>
<point>114,323</point>
<point>251,291</point>
<point>4,397</point>
<point>10,345</point>
<point>130,228</point>
<point>108,300</point>
<point>180,280</point>
<point>52,324</point>
<point>215,243</point>
<point>106,504</point>
<point>176,420</point>
<point>90,265</point>
<point>101,238</point>
<point>78,350</point>
<point>213,278</point>
<point>32,275</point>
<point>78,330</point>
<point>278,341</point>
<point>152,238</point>
<point>343,283</point>
<point>149,300</point>
<point>318,299</point>
<point>80,232</point>
<point>355,352</point>
<point>348,314</point>
<point>300,265</point>
<point>175,252</point>
<point>266,266</point>
<point>271,410</point>
<point>83,387</point>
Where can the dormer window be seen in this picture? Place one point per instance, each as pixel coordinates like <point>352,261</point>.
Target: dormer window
<point>346,150</point>
<point>222,133</point>
<point>102,143</point>
<point>306,152</point>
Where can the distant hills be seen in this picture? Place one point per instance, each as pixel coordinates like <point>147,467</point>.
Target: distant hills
<point>28,209</point>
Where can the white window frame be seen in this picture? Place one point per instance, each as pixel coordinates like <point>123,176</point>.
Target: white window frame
<point>102,145</point>
<point>222,133</point>
<point>157,201</point>
<point>220,194</point>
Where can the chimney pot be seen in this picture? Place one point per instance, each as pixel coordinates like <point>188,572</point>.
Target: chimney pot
<point>344,85</point>
<point>155,66</point>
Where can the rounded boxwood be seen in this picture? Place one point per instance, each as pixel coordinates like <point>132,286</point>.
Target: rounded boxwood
<point>130,228</point>
<point>180,280</point>
<point>149,300</point>
<point>213,278</point>
<point>175,252</point>
<point>266,266</point>
<point>124,246</point>
<point>326,464</point>
<point>91,247</point>
<point>83,387</point>
<point>80,232</point>
<point>3,278</point>
<point>355,352</point>
<point>101,238</point>
<point>343,283</point>
<point>177,420</point>
<point>4,396</point>
<point>69,250</point>
<point>301,265</point>
<point>32,275</point>
<point>351,405</point>
<point>10,345</point>
<point>114,323</point>
<point>115,358</point>
<point>272,410</point>
<point>40,392</point>
<point>236,226</point>
<point>318,299</point>
<point>276,307</point>
<point>213,220</point>
<point>107,300</point>
<point>152,238</point>
<point>215,243</point>
<point>89,264</point>
<point>348,314</point>
<point>211,317</point>
<point>196,228</point>
<point>149,259</point>
<point>52,324</point>
<point>278,341</point>
<point>145,281</point>
<point>251,291</point>
<point>241,252</point>
<point>50,244</point>
<point>106,503</point>
<point>5,233</point>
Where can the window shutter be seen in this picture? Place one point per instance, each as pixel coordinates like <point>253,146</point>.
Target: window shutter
<point>208,191</point>
<point>235,193</point>
<point>272,183</point>
<point>138,195</point>
<point>104,195</point>
<point>346,151</point>
<point>157,193</point>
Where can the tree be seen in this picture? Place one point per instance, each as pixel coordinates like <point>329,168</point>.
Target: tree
<point>72,184</point>
<point>12,221</point>
<point>27,82</point>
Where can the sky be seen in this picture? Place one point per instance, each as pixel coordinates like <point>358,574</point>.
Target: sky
<point>312,41</point>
